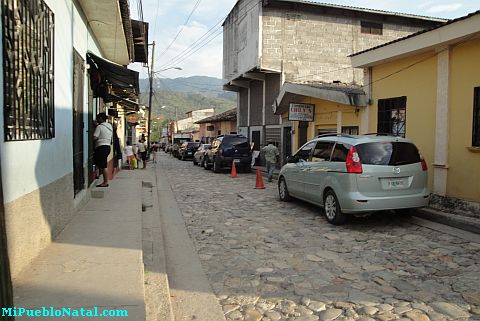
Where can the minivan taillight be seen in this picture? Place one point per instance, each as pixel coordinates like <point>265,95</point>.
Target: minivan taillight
<point>424,163</point>
<point>353,163</point>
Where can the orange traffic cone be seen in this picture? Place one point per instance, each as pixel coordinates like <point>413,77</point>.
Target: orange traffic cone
<point>259,180</point>
<point>234,170</point>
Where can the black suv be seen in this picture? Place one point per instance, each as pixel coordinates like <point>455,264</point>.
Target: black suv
<point>187,150</point>
<point>227,149</point>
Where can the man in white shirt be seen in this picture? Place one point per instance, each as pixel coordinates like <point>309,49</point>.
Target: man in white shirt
<point>103,139</point>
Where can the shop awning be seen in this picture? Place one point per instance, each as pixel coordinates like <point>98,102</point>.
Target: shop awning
<point>111,81</point>
<point>339,93</point>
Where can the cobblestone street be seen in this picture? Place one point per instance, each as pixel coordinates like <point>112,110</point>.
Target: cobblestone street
<point>270,260</point>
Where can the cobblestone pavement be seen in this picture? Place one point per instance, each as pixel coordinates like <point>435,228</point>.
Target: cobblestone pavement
<point>270,260</point>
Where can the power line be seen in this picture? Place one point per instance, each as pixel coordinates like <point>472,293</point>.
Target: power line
<point>199,41</point>
<point>181,29</point>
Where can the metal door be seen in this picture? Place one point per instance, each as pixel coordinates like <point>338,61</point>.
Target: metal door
<point>78,80</point>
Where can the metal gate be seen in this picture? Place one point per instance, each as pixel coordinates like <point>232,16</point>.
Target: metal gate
<point>78,80</point>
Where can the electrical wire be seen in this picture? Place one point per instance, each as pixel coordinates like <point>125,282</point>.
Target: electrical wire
<point>181,29</point>
<point>201,43</point>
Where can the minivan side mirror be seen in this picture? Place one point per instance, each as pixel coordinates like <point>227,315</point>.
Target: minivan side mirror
<point>292,159</point>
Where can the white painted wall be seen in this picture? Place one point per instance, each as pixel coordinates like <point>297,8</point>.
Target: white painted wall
<point>29,165</point>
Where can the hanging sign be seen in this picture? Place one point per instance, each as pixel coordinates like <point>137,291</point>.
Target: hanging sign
<point>301,112</point>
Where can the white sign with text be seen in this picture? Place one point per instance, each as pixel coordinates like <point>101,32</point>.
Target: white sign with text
<point>301,112</point>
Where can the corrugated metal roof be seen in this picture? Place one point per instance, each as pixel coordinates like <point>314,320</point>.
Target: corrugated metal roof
<point>360,9</point>
<point>229,115</point>
<point>350,8</point>
<point>418,33</point>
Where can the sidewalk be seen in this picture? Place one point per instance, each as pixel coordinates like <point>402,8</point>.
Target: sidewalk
<point>96,261</point>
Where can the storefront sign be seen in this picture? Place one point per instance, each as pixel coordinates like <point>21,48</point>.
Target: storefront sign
<point>301,112</point>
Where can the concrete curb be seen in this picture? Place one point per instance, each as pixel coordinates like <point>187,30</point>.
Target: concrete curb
<point>460,222</point>
<point>157,290</point>
<point>191,295</point>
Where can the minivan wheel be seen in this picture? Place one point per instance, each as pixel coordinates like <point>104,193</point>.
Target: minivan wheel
<point>205,164</point>
<point>283,190</point>
<point>216,166</point>
<point>333,213</point>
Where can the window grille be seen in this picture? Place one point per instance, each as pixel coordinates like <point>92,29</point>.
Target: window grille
<point>392,114</point>
<point>476,118</point>
<point>28,43</point>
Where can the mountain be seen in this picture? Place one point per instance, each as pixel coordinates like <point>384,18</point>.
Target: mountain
<point>186,94</point>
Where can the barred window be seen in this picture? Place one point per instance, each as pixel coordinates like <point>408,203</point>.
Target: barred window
<point>28,39</point>
<point>392,116</point>
<point>476,118</point>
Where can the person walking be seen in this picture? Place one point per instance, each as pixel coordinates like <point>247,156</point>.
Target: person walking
<point>102,137</point>
<point>271,157</point>
<point>142,151</point>
<point>130,155</point>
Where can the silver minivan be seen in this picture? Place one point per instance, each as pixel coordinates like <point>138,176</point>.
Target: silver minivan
<point>356,174</point>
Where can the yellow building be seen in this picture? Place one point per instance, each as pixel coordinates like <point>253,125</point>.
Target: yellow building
<point>426,87</point>
<point>310,109</point>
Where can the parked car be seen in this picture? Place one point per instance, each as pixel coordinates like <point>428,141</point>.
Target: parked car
<point>187,149</point>
<point>168,148</point>
<point>199,156</point>
<point>356,174</point>
<point>227,149</point>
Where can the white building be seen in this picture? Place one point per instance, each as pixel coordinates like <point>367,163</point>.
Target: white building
<point>48,111</point>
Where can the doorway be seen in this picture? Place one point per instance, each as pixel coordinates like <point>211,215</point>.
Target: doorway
<point>302,133</point>
<point>78,80</point>
<point>287,143</point>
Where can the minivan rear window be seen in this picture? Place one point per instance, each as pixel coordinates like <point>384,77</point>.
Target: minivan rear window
<point>238,142</point>
<point>388,153</point>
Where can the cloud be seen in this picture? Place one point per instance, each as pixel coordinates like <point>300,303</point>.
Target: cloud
<point>442,8</point>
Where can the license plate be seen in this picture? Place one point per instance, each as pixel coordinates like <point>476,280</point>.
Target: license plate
<point>236,160</point>
<point>396,183</point>
<point>189,153</point>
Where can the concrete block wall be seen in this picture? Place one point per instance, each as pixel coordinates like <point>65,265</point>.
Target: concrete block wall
<point>315,47</point>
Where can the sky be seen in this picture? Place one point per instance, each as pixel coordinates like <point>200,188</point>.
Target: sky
<point>187,33</point>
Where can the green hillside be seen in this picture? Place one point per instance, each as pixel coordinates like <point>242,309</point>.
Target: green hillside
<point>187,94</point>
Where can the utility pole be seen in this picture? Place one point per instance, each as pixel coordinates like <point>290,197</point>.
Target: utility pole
<point>150,98</point>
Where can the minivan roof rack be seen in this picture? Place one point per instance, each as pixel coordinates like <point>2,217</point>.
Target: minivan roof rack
<point>382,134</point>
<point>334,134</point>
